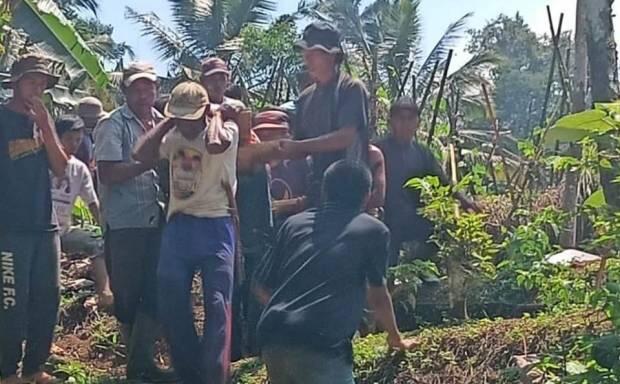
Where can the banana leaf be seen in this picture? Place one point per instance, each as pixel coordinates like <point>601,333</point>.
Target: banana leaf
<point>596,200</point>
<point>46,26</point>
<point>573,128</point>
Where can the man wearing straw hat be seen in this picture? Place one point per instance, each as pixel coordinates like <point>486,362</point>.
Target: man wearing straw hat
<point>90,110</point>
<point>29,243</point>
<point>200,233</point>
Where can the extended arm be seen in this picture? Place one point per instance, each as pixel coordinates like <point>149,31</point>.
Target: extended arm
<point>380,302</point>
<point>147,149</point>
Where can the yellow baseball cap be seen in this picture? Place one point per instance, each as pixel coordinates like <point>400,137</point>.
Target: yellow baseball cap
<point>188,101</point>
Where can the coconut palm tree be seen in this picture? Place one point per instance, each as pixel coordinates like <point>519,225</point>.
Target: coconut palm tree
<point>201,27</point>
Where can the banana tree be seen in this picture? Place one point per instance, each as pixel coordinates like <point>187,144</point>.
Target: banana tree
<point>50,31</point>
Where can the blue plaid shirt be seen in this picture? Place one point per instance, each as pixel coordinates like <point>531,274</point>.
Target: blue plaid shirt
<point>133,203</point>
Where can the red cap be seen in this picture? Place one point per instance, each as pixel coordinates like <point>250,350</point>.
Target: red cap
<point>214,65</point>
<point>271,119</point>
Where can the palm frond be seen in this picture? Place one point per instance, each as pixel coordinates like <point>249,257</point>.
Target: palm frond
<point>346,15</point>
<point>403,28</point>
<point>474,71</point>
<point>242,12</point>
<point>198,26</point>
<point>80,5</point>
<point>439,52</point>
<point>166,41</point>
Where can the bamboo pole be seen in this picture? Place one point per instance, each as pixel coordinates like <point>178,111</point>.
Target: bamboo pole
<point>555,40</point>
<point>427,90</point>
<point>442,85</point>
<point>403,83</point>
<point>453,173</point>
<point>496,137</point>
<point>554,57</point>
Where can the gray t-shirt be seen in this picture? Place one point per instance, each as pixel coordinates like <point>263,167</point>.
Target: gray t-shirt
<point>133,203</point>
<point>321,110</point>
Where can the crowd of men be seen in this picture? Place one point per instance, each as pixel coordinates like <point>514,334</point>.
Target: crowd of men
<point>278,211</point>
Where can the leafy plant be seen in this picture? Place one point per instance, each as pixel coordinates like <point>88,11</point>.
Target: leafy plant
<point>74,372</point>
<point>466,249</point>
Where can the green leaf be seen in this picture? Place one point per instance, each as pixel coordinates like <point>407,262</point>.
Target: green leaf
<point>596,200</point>
<point>45,23</point>
<point>605,163</point>
<point>575,127</point>
<point>575,368</point>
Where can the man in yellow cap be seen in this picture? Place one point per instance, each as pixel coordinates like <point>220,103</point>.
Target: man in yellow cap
<point>200,233</point>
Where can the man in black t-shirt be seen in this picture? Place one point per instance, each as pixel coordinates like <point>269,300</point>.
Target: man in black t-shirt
<point>406,158</point>
<point>29,244</point>
<point>331,121</point>
<point>326,263</point>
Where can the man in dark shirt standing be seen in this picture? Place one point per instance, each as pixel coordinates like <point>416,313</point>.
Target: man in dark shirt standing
<point>29,244</point>
<point>406,158</point>
<point>325,264</point>
<point>331,114</point>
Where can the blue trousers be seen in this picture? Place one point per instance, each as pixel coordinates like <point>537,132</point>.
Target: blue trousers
<point>299,365</point>
<point>188,244</point>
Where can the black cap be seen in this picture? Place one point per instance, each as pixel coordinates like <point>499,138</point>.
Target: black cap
<point>321,36</point>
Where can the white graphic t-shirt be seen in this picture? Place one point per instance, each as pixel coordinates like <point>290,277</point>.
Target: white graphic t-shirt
<point>77,181</point>
<point>197,177</point>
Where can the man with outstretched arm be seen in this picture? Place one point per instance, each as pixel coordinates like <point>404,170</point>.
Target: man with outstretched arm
<point>331,121</point>
<point>29,243</point>
<point>200,232</point>
<point>325,264</point>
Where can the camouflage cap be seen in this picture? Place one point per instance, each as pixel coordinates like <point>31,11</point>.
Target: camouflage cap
<point>31,63</point>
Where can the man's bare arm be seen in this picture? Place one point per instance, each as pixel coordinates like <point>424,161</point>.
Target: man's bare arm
<point>331,142</point>
<point>116,172</point>
<point>251,155</point>
<point>94,211</point>
<point>147,149</point>
<point>55,155</point>
<point>380,303</point>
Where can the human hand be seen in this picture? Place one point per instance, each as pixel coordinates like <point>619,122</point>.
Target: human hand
<point>398,343</point>
<point>38,112</point>
<point>229,112</point>
<point>291,149</point>
<point>471,206</point>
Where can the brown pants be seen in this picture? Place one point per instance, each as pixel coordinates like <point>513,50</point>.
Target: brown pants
<point>132,256</point>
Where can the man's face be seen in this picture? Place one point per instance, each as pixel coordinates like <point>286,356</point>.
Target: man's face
<point>31,86</point>
<point>404,124</point>
<point>318,62</point>
<point>90,122</point>
<point>266,135</point>
<point>216,84</point>
<point>71,141</point>
<point>190,129</point>
<point>141,94</point>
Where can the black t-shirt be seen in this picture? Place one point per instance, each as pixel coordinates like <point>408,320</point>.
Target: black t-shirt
<point>325,109</point>
<point>25,194</point>
<point>318,271</point>
<point>404,162</point>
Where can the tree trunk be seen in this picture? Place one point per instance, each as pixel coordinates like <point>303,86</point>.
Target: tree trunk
<point>456,288</point>
<point>568,238</point>
<point>580,79</point>
<point>601,48</point>
<point>603,61</point>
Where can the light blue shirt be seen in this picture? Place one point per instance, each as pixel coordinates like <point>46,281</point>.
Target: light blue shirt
<point>133,203</point>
